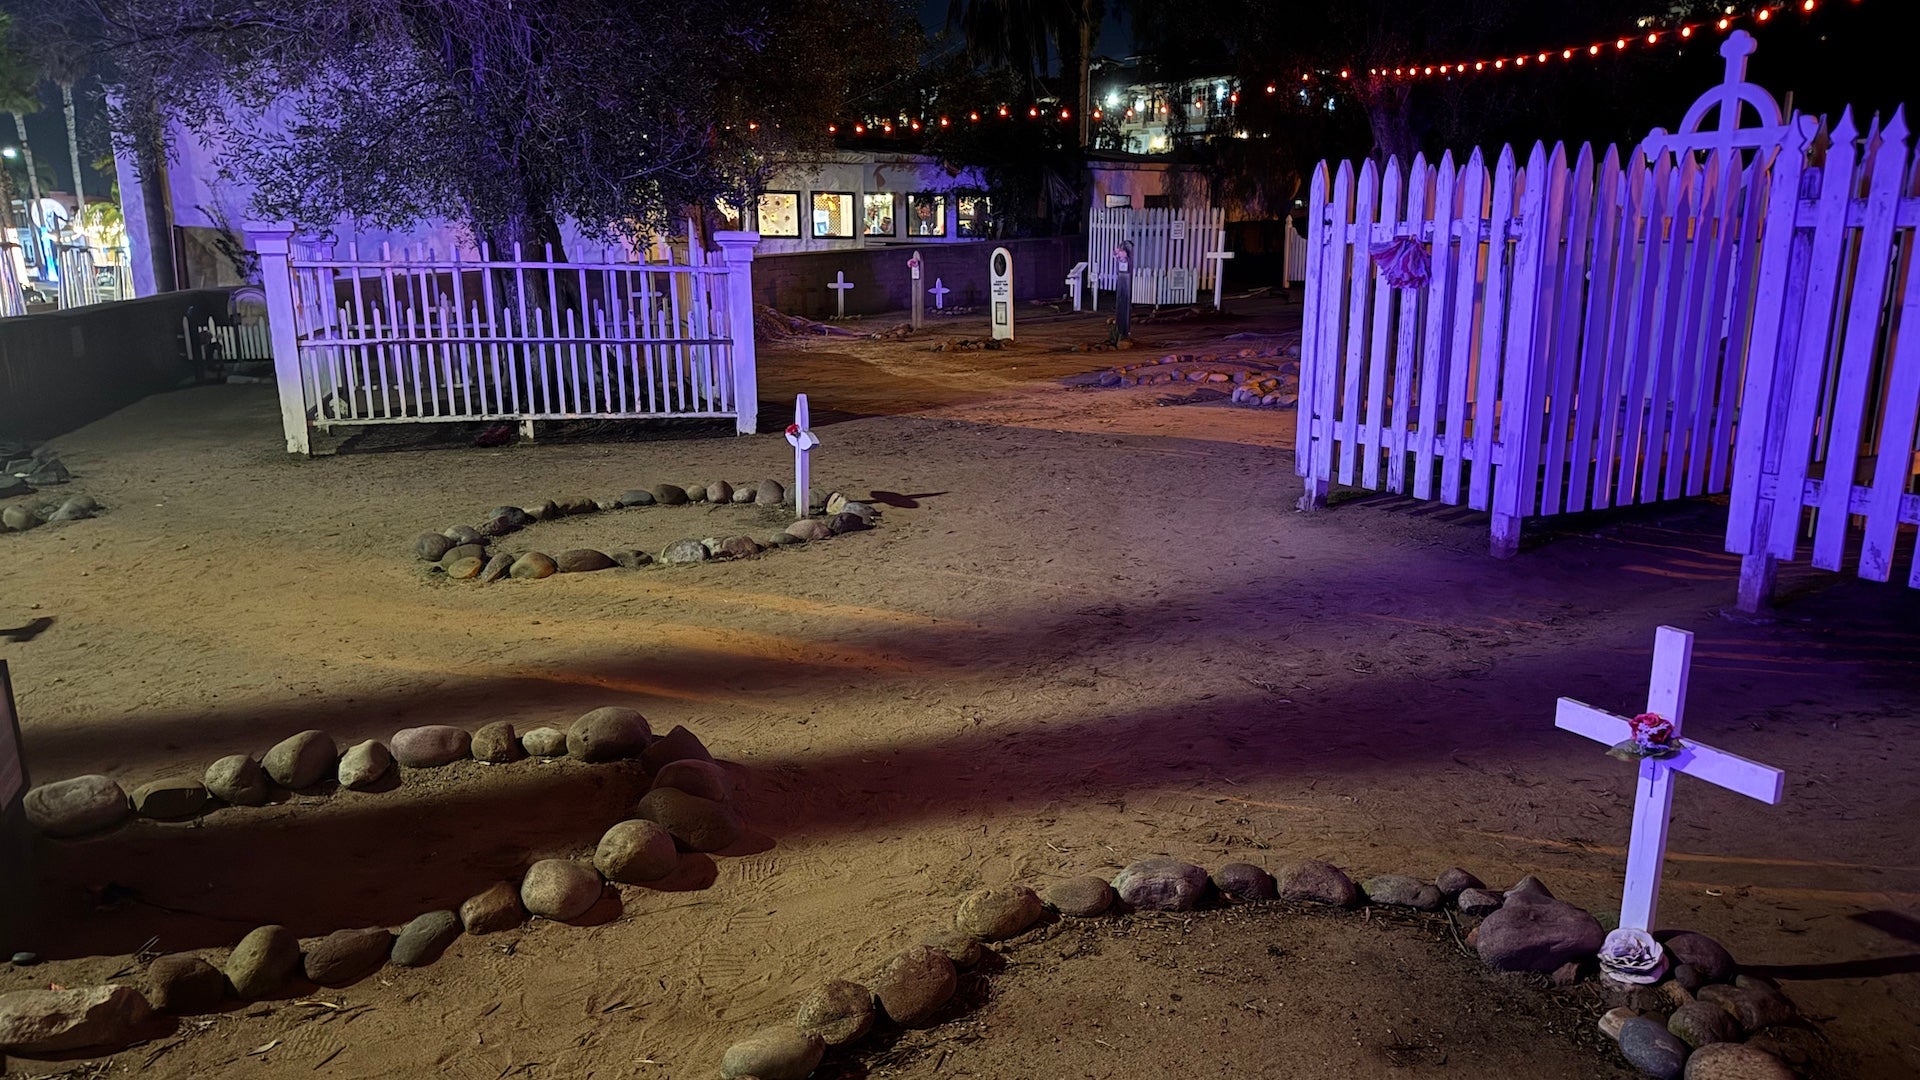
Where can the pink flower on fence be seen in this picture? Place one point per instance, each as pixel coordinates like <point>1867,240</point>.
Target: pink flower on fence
<point>1404,262</point>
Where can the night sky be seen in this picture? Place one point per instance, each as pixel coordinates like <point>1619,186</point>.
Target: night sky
<point>1114,41</point>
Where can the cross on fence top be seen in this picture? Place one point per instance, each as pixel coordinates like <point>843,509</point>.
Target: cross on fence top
<point>1733,93</point>
<point>1653,798</point>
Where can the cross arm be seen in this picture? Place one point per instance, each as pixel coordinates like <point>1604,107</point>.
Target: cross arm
<point>1695,759</point>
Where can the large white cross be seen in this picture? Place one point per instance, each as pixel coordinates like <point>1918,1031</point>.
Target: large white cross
<point>1653,801</point>
<point>801,435</point>
<point>939,292</point>
<point>840,285</point>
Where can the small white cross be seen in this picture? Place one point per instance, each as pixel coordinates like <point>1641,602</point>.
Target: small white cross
<point>840,285</point>
<point>1219,272</point>
<point>801,435</point>
<point>1653,801</point>
<point>939,292</point>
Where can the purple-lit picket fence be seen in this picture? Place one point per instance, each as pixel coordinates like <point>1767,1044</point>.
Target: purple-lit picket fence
<point>390,337</point>
<point>1832,395</point>
<point>1593,331</point>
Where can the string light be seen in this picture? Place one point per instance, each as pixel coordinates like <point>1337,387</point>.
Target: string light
<point>1765,14</point>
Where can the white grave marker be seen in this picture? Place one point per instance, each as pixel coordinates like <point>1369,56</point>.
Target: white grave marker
<point>1219,272</point>
<point>800,435</point>
<point>840,285</point>
<point>1653,801</point>
<point>1000,292</point>
<point>939,292</point>
<point>919,302</point>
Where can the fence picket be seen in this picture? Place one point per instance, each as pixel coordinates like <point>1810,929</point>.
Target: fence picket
<point>1438,305</point>
<point>1471,277</point>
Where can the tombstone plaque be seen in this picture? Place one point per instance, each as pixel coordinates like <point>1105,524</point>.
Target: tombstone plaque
<point>1000,292</point>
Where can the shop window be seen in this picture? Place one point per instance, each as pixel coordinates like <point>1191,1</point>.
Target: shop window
<point>929,215</point>
<point>973,214</point>
<point>832,215</point>
<point>780,214</point>
<point>1119,202</point>
<point>877,218</point>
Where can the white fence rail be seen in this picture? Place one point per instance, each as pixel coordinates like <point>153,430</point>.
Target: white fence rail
<point>411,338</point>
<point>1610,331</point>
<point>1172,251</point>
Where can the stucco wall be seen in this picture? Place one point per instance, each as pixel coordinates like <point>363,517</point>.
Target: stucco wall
<point>797,284</point>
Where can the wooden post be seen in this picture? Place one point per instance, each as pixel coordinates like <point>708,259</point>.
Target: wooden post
<point>738,247</point>
<point>913,286</point>
<point>275,248</point>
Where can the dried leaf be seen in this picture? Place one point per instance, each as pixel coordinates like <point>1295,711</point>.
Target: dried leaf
<point>263,1048</point>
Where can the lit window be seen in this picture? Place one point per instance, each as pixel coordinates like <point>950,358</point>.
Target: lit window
<point>972,215</point>
<point>779,213</point>
<point>832,215</point>
<point>878,217</point>
<point>928,217</point>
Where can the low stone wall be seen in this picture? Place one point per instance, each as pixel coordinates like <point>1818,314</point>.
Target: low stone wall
<point>797,284</point>
<point>64,369</point>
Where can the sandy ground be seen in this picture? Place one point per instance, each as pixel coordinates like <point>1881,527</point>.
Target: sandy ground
<point>1090,629</point>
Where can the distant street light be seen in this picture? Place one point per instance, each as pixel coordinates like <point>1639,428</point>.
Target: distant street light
<point>10,152</point>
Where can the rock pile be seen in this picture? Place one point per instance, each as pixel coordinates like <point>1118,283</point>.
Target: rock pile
<point>24,469</point>
<point>1267,377</point>
<point>468,553</point>
<point>644,849</point>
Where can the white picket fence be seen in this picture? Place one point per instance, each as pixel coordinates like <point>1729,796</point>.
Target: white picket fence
<point>13,297</point>
<point>1583,338</point>
<point>1171,249</point>
<point>414,337</point>
<point>79,283</point>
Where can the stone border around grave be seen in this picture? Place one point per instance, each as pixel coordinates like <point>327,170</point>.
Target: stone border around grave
<point>24,470</point>
<point>462,552</point>
<point>1255,381</point>
<point>687,809</point>
<point>1707,1021</point>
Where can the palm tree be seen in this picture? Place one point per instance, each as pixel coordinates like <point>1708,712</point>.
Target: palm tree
<point>1017,34</point>
<point>65,68</point>
<point>19,96</point>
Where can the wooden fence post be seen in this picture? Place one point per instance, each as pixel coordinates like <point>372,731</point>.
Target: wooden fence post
<point>274,246</point>
<point>738,249</point>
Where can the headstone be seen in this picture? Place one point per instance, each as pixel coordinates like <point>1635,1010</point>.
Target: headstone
<point>939,292</point>
<point>840,285</point>
<point>1653,797</point>
<point>800,435</point>
<point>1000,293</point>
<point>919,302</point>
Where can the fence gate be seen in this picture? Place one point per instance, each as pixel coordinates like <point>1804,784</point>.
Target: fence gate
<point>1174,251</point>
<point>414,337</point>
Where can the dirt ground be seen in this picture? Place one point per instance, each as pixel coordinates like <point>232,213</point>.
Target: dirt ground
<point>1090,628</point>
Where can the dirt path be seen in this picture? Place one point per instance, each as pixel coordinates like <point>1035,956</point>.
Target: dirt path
<point>1090,629</point>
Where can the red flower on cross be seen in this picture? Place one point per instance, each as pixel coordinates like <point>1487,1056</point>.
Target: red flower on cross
<point>1652,730</point>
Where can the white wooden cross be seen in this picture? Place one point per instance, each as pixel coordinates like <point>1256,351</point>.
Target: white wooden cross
<point>801,435</point>
<point>840,285</point>
<point>939,292</point>
<point>1653,801</point>
<point>1219,272</point>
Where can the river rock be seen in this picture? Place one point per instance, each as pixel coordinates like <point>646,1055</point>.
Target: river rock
<point>545,742</point>
<point>430,547</point>
<point>344,957</point>
<point>583,561</point>
<point>463,551</point>
<point>465,569</point>
<point>546,511</point>
<point>422,940</point>
<point>914,985</point>
<point>1736,1061</point>
<point>609,733</point>
<point>846,523</point>
<point>739,547</point>
<point>1707,956</point>
<point>495,527</point>
<point>696,493</point>
<point>1245,882</point>
<point>497,567</point>
<point>678,744</point>
<point>175,798</point>
<point>43,1022</point>
<point>1614,1019</point>
<point>1479,901</point>
<point>1083,897</point>
<point>514,516</point>
<point>838,1012</point>
<point>697,824</point>
<point>19,517</point>
<point>670,495</point>
<point>497,744</point>
<point>495,909</point>
<point>1537,936</point>
<point>780,539</point>
<point>576,505</point>
<point>634,497</point>
<point>865,512</point>
<point>79,508</point>
<point>720,492</point>
<point>1753,1006</point>
<point>780,1052</point>
<point>769,493</point>
<point>636,852</point>
<point>263,962</point>
<point>1652,1049</point>
<point>1161,884</point>
<point>998,912</point>
<point>702,778</point>
<point>1528,890</point>
<point>238,780</point>
<point>630,558</point>
<point>364,765</point>
<point>431,745</point>
<point>533,566</point>
<point>76,807</point>
<point>742,493</point>
<point>1319,882</point>
<point>184,984</point>
<point>560,889</point>
<point>683,552</point>
<point>1453,881</point>
<point>463,534</point>
<point>1401,890</point>
<point>964,950</point>
<point>303,760</point>
<point>810,529</point>
<point>49,471</point>
<point>11,485</point>
<point>1698,1023</point>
